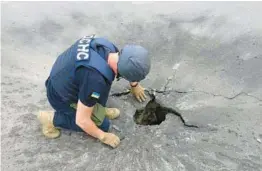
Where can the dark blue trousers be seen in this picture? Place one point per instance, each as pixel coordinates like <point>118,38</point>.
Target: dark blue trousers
<point>65,116</point>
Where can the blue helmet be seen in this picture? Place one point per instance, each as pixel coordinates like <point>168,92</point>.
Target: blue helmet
<point>134,63</point>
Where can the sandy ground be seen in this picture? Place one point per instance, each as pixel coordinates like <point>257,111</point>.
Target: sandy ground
<point>210,51</point>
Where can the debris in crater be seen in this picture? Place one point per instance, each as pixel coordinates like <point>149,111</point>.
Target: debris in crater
<point>154,114</point>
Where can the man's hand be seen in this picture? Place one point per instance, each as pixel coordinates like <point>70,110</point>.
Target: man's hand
<point>110,139</point>
<point>138,91</point>
<point>83,120</point>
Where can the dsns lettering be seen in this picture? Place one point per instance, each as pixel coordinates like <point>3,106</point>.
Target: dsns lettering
<point>83,47</point>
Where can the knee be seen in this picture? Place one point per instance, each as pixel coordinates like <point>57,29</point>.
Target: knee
<point>105,125</point>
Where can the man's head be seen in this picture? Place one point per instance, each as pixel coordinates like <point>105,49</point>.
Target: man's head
<point>133,63</point>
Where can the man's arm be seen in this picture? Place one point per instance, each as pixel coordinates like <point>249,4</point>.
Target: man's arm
<point>84,121</point>
<point>133,84</point>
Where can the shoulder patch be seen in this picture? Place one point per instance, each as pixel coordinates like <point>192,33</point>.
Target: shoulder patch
<point>95,95</point>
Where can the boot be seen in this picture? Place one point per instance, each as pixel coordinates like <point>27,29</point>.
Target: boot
<point>48,128</point>
<point>112,113</point>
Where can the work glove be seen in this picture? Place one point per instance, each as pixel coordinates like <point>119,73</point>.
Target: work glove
<point>110,139</point>
<point>139,92</point>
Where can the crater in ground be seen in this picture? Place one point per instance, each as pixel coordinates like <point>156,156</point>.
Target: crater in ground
<point>154,114</point>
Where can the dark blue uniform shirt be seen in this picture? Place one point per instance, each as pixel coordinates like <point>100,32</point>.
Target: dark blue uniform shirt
<point>89,81</point>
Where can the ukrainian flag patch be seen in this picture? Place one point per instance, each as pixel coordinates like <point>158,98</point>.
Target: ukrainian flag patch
<point>95,95</point>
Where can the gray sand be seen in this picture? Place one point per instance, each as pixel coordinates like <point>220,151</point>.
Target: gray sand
<point>210,51</point>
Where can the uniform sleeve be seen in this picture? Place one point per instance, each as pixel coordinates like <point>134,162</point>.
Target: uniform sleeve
<point>92,86</point>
